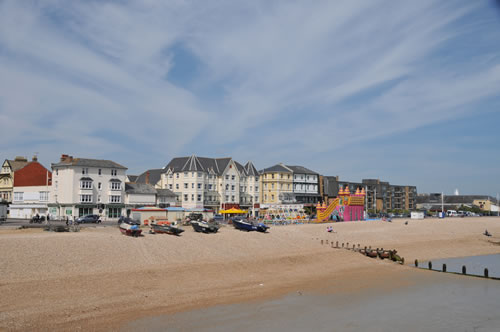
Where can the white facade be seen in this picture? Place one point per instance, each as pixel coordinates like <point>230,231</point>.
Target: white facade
<point>197,187</point>
<point>29,201</point>
<point>84,189</point>
<point>305,183</point>
<point>140,199</point>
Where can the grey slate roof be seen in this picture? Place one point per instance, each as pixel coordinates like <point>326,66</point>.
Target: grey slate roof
<point>139,188</point>
<point>201,164</point>
<point>301,170</point>
<point>276,168</point>
<point>165,193</point>
<point>132,178</point>
<point>84,162</point>
<point>16,165</point>
<point>154,176</point>
<point>251,170</point>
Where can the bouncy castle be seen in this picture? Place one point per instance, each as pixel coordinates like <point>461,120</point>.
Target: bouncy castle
<point>346,207</point>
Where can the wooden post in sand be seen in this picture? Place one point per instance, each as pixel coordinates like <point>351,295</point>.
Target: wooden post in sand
<point>416,262</point>
<point>353,247</point>
<point>332,244</point>
<point>486,274</point>
<point>321,241</point>
<point>342,244</point>
<point>430,265</point>
<point>347,245</point>
<point>444,267</point>
<point>464,270</point>
<point>337,244</point>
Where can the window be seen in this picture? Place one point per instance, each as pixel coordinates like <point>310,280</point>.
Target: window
<point>176,186</point>
<point>272,176</point>
<point>170,176</point>
<point>185,186</point>
<point>185,174</point>
<point>232,198</point>
<point>199,185</point>
<point>227,187</point>
<point>115,199</point>
<point>232,187</point>
<point>192,185</point>
<point>227,198</point>
<point>84,211</point>
<point>265,197</point>
<point>99,198</point>
<point>56,184</point>
<point>209,187</point>
<point>115,185</point>
<point>256,178</point>
<point>18,196</point>
<point>256,188</point>
<point>192,175</point>
<point>170,187</point>
<point>99,186</point>
<point>57,172</point>
<point>288,175</point>
<point>272,185</point>
<point>85,171</point>
<point>113,172</point>
<point>200,174</point>
<point>192,197</point>
<point>272,197</point>
<point>85,198</point>
<point>185,197</point>
<point>44,196</point>
<point>99,171</point>
<point>177,175</point>
<point>232,177</point>
<point>199,198</point>
<point>281,176</point>
<point>114,212</point>
<point>86,184</point>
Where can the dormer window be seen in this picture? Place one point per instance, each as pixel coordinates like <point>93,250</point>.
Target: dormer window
<point>85,171</point>
<point>113,172</point>
<point>99,171</point>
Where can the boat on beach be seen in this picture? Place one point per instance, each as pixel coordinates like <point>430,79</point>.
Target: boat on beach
<point>166,229</point>
<point>130,227</point>
<point>247,225</point>
<point>204,227</point>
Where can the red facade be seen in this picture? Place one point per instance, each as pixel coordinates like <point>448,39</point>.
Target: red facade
<point>33,174</point>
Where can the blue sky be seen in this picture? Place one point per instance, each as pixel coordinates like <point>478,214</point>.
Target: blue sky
<point>404,91</point>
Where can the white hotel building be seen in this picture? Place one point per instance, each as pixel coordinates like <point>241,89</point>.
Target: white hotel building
<point>213,183</point>
<point>87,186</point>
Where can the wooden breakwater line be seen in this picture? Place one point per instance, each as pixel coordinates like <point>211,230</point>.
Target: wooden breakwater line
<point>368,251</point>
<point>486,273</point>
<point>393,256</point>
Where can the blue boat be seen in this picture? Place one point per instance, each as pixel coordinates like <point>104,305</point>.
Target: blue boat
<point>245,225</point>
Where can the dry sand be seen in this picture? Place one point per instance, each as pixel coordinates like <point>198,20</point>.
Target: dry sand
<point>98,279</point>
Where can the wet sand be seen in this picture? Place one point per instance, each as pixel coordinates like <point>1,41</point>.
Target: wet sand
<point>98,279</point>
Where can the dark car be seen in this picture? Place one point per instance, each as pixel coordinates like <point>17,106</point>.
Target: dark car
<point>91,218</point>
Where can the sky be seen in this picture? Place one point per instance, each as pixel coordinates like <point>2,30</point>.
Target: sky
<point>403,91</point>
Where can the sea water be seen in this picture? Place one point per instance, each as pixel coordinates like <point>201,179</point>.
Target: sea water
<point>440,302</point>
<point>475,265</point>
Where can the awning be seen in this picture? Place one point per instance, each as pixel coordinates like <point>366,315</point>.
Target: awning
<point>233,211</point>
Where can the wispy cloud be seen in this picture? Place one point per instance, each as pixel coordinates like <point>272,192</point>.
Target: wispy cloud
<point>273,81</point>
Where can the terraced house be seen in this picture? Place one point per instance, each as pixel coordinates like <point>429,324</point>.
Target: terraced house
<point>9,167</point>
<point>213,183</point>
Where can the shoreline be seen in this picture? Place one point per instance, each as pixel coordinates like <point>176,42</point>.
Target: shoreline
<point>99,279</point>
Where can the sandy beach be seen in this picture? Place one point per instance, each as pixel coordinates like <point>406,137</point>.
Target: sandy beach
<point>98,279</point>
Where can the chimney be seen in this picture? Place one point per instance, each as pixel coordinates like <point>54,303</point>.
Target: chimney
<point>66,158</point>
<point>147,177</point>
<point>18,158</point>
<point>35,158</point>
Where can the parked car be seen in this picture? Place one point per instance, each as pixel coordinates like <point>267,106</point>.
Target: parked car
<point>218,217</point>
<point>91,218</point>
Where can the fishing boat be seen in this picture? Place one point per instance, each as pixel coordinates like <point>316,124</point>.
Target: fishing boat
<point>384,254</point>
<point>130,227</point>
<point>247,225</point>
<point>204,227</point>
<point>371,253</point>
<point>166,229</point>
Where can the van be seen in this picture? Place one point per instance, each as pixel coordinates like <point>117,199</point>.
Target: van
<point>451,213</point>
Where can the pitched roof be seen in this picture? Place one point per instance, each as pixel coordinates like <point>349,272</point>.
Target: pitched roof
<point>277,168</point>
<point>251,170</point>
<point>199,164</point>
<point>301,170</point>
<point>154,176</point>
<point>17,164</point>
<point>132,178</point>
<point>165,193</point>
<point>85,162</point>
<point>139,188</point>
